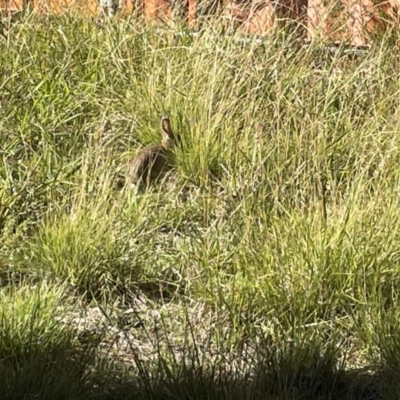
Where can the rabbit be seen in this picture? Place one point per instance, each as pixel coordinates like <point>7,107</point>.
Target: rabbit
<point>152,162</point>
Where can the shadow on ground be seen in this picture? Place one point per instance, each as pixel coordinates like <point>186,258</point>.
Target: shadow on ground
<point>74,370</point>
<point>283,377</point>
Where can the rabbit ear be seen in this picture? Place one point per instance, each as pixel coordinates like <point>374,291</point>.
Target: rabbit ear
<point>166,126</point>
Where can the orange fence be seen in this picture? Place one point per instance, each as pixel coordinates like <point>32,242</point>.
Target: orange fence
<point>57,6</point>
<point>352,21</point>
<point>345,20</point>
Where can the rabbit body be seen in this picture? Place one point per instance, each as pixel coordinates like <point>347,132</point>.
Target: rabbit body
<point>149,164</point>
<point>152,162</point>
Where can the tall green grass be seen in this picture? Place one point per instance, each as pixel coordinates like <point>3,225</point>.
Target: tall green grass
<point>265,266</point>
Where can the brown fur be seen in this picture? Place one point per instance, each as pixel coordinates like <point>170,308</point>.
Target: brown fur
<point>152,162</point>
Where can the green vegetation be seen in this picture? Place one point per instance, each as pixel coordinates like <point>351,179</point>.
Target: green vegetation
<point>267,266</point>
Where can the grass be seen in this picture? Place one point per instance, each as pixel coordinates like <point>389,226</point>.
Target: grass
<point>265,266</point>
